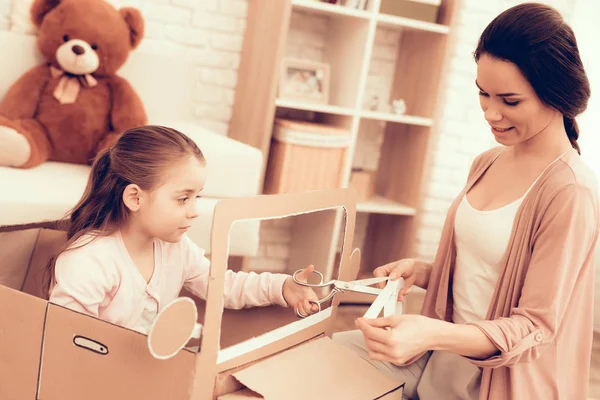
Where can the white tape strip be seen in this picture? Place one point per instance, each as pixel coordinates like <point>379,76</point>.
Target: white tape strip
<point>387,300</point>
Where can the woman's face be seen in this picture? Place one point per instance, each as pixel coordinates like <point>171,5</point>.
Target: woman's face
<point>509,103</point>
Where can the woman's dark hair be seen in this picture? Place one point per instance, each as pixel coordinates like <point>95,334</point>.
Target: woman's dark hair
<point>537,40</point>
<point>139,156</point>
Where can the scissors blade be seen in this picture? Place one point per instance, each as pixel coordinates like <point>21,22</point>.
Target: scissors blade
<point>364,289</point>
<point>370,281</point>
<point>360,286</point>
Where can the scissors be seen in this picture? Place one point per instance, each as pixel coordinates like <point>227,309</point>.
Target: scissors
<point>360,286</point>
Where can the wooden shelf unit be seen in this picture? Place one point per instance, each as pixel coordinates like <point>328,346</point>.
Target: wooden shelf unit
<point>408,139</point>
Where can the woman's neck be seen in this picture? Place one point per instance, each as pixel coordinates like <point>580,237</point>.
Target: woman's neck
<point>548,144</point>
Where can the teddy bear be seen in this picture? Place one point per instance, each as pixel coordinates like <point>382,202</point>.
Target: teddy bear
<point>74,105</point>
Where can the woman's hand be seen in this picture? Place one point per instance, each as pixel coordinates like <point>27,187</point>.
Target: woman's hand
<point>399,339</point>
<point>399,269</point>
<point>298,296</point>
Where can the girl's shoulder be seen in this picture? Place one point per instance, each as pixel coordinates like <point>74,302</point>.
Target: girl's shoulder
<point>92,257</point>
<point>90,246</point>
<point>93,241</point>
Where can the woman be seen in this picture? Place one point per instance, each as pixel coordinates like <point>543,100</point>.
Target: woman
<point>508,308</point>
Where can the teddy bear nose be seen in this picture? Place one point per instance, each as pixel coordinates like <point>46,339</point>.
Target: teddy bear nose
<point>77,49</point>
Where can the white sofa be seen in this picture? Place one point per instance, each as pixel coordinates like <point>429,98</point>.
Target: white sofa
<point>165,85</point>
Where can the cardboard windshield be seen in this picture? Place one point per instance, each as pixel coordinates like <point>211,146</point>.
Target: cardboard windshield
<point>262,207</point>
<point>51,352</point>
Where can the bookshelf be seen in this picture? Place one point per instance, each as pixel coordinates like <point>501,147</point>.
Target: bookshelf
<point>408,138</point>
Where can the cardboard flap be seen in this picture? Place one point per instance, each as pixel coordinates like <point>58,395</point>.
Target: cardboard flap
<point>21,328</point>
<point>320,369</point>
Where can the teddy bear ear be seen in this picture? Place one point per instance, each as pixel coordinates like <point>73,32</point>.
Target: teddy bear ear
<point>39,9</point>
<point>133,18</point>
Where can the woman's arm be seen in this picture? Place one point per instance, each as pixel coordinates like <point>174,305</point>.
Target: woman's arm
<point>400,339</point>
<point>466,340</point>
<point>422,273</point>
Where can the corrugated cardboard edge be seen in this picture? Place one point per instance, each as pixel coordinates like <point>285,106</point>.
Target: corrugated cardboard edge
<point>240,395</point>
<point>259,207</point>
<point>54,225</point>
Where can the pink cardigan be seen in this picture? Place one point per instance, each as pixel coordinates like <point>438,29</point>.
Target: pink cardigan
<point>541,313</point>
<point>101,280</point>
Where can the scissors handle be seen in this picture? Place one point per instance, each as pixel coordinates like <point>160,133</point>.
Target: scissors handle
<point>317,285</point>
<point>318,303</point>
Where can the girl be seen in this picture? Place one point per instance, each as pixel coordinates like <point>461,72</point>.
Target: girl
<point>508,308</point>
<point>128,254</point>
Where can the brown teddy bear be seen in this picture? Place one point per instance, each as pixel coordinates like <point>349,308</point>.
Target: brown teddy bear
<point>73,106</point>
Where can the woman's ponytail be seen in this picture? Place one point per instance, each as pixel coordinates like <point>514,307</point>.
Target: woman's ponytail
<point>572,132</point>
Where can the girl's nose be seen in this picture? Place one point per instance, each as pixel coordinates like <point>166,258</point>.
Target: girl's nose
<point>193,210</point>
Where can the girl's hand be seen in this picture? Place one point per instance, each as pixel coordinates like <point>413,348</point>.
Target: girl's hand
<point>298,296</point>
<point>399,339</point>
<point>398,269</point>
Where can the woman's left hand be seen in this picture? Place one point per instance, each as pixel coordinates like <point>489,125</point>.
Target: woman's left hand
<point>298,296</point>
<point>399,339</point>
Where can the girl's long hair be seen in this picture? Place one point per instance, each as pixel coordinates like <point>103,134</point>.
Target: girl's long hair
<point>140,156</point>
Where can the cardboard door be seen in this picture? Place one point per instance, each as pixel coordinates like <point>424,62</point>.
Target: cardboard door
<point>86,358</point>
<point>21,328</point>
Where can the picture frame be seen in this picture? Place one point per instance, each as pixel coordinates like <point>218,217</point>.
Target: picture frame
<point>304,80</point>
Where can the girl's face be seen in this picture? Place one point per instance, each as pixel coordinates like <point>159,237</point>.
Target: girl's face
<point>509,102</point>
<point>168,211</point>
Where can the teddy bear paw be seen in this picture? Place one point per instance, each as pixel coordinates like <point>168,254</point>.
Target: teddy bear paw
<point>14,148</point>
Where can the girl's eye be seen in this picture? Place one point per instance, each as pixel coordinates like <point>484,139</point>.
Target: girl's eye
<point>182,200</point>
<point>198,197</point>
<point>511,103</point>
<point>66,38</point>
<point>484,94</point>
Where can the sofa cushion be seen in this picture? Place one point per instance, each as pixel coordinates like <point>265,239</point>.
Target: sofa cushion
<point>49,191</point>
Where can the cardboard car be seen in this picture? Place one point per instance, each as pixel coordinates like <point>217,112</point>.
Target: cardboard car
<point>49,352</point>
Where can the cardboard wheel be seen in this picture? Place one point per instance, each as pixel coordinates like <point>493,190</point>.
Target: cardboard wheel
<point>174,326</point>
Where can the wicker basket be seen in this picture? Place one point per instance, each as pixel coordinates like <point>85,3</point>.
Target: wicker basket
<point>305,156</point>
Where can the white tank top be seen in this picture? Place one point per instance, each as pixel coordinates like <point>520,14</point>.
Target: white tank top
<point>481,239</point>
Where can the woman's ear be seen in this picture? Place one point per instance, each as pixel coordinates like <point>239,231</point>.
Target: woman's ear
<point>40,8</point>
<point>131,197</point>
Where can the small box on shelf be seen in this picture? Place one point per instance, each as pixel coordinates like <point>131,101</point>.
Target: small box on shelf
<point>305,156</point>
<point>422,10</point>
<point>363,182</point>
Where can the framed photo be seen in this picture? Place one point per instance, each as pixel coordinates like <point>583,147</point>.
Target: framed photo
<point>304,80</point>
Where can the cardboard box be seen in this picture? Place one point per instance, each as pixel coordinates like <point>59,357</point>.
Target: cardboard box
<point>52,353</point>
